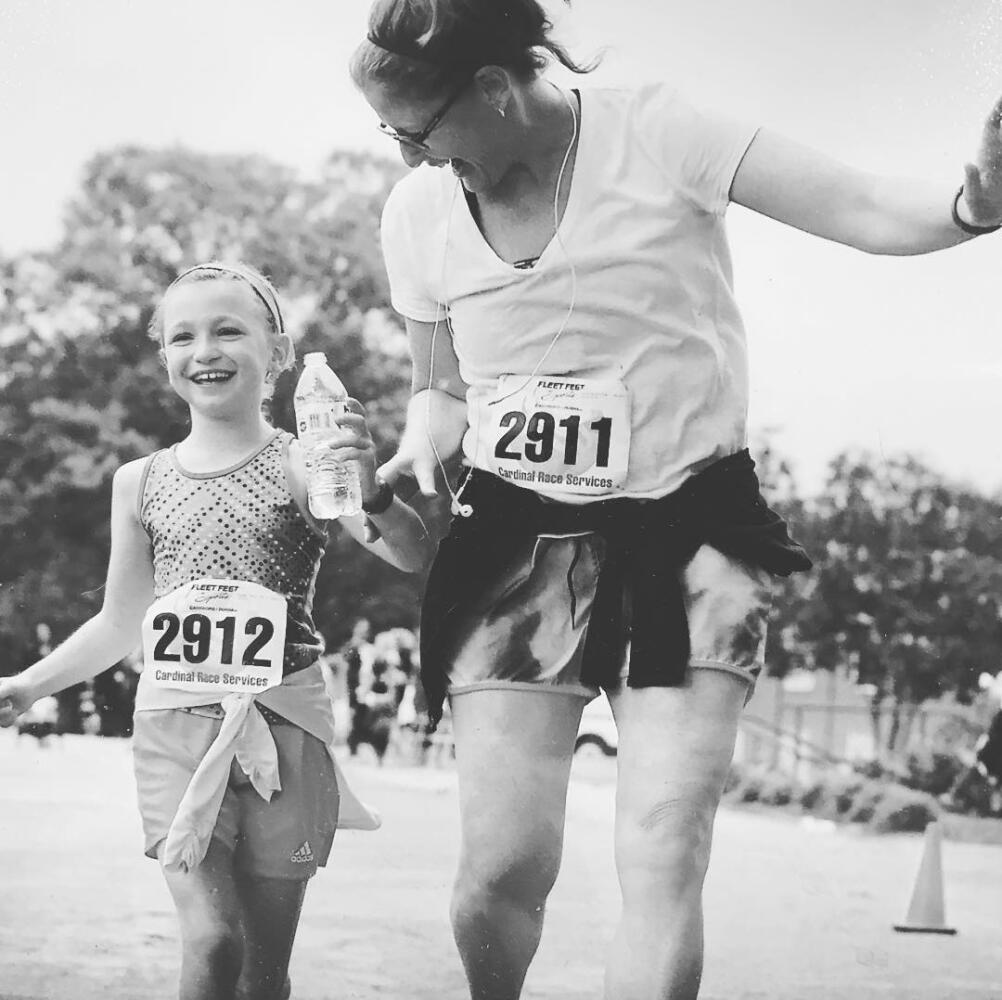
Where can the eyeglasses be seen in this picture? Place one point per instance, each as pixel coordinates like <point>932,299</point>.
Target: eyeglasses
<point>416,140</point>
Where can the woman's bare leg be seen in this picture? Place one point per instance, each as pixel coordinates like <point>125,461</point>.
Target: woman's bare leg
<point>513,756</point>
<point>675,748</point>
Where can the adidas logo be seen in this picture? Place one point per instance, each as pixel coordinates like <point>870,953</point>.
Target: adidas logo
<point>302,854</point>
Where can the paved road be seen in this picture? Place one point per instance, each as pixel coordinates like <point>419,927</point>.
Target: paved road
<point>794,912</point>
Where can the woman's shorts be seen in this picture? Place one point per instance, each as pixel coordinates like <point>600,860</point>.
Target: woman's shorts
<point>529,630</point>
<point>288,837</point>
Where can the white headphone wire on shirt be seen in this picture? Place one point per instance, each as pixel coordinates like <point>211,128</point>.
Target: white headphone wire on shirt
<point>457,507</point>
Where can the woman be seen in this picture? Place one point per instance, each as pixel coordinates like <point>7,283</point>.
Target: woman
<point>567,291</point>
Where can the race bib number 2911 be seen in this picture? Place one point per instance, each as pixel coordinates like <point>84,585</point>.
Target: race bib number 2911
<point>216,637</point>
<point>561,435</point>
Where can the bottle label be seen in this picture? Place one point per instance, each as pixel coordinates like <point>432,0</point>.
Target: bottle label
<point>317,419</point>
<point>216,637</point>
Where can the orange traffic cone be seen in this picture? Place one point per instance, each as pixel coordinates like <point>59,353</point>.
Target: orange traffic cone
<point>926,914</point>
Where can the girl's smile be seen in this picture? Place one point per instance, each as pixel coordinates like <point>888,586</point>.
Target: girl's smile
<point>213,376</point>
<point>217,344</point>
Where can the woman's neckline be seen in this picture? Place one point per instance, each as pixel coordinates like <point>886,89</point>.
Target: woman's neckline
<point>528,263</point>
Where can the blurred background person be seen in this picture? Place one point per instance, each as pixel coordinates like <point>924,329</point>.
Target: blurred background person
<point>357,655</point>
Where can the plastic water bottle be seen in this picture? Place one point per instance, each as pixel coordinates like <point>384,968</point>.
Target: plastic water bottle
<point>320,399</point>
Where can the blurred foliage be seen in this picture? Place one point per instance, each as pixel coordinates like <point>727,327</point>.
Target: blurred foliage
<point>883,806</point>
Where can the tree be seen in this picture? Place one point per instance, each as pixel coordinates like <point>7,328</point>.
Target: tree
<point>909,584</point>
<point>83,390</point>
<point>786,649</point>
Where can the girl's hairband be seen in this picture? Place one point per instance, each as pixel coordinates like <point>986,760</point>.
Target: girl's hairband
<point>261,288</point>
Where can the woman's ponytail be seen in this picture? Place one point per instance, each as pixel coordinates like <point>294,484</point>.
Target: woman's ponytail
<point>432,44</point>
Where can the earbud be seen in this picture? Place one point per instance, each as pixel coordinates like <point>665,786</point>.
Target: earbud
<point>461,509</point>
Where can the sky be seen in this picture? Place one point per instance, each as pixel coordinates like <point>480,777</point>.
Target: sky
<point>847,350</point>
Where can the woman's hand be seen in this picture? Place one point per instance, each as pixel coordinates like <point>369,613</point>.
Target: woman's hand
<point>432,416</point>
<point>983,179</point>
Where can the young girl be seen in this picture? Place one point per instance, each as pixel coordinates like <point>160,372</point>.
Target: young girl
<point>214,556</point>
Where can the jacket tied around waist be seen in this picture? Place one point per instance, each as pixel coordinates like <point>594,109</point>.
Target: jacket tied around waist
<point>648,544</point>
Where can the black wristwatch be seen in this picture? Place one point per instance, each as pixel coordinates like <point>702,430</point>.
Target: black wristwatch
<point>382,501</point>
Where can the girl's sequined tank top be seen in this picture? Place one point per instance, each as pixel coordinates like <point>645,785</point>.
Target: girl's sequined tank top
<point>242,523</point>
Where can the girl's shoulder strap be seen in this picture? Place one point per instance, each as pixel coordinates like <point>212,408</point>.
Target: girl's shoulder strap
<point>143,479</point>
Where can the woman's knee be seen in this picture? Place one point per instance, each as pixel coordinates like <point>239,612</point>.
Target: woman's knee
<point>522,875</point>
<point>665,849</point>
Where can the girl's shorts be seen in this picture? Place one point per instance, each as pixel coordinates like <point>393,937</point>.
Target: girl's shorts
<point>529,630</point>
<point>288,837</point>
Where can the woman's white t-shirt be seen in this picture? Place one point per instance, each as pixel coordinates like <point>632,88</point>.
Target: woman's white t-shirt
<point>650,371</point>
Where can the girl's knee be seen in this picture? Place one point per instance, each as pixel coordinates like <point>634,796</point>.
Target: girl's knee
<point>276,988</point>
<point>212,943</point>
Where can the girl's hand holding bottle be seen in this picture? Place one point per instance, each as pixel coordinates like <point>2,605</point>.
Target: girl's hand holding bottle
<point>16,697</point>
<point>353,443</point>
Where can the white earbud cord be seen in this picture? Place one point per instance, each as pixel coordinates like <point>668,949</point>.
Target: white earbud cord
<point>457,507</point>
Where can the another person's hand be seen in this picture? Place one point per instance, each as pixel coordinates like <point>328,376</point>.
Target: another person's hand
<point>431,416</point>
<point>983,179</point>
<point>16,697</point>
<point>415,457</point>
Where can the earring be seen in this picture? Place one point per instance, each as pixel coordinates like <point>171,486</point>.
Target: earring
<point>500,110</point>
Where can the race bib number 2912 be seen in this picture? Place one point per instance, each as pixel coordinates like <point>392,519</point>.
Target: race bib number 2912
<point>216,637</point>
<point>561,435</point>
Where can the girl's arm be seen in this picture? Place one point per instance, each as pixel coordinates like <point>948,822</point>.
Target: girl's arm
<point>437,410</point>
<point>114,631</point>
<point>812,192</point>
<point>404,542</point>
